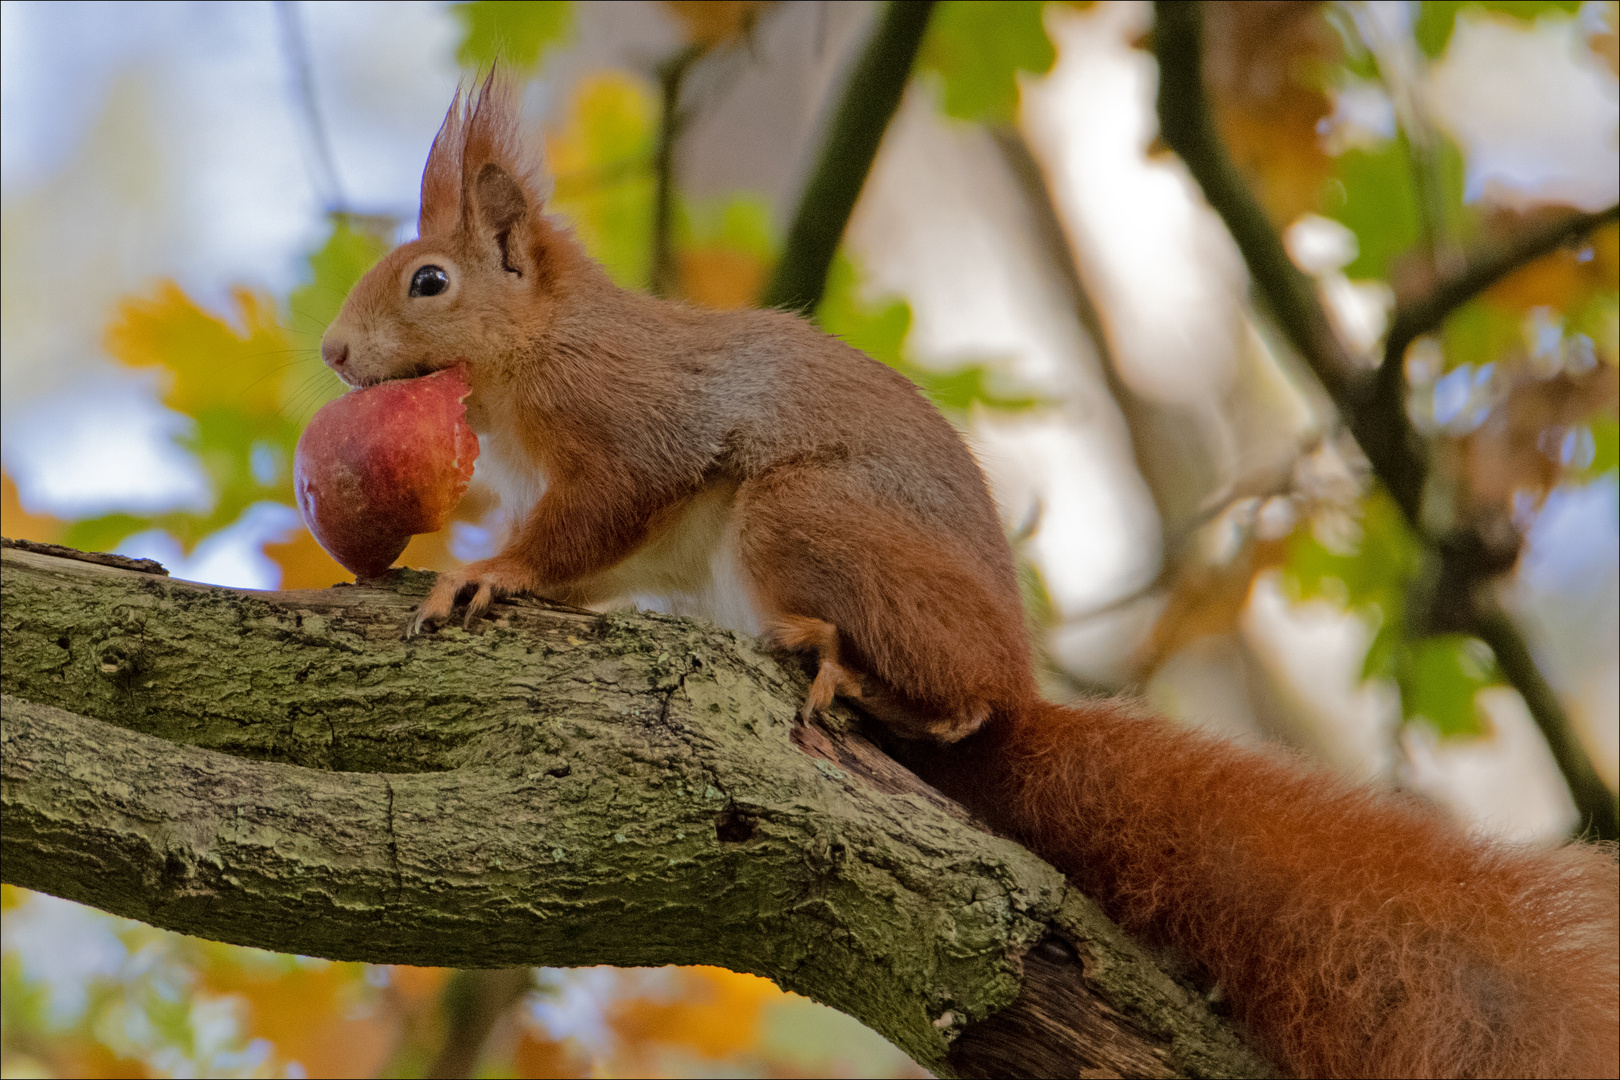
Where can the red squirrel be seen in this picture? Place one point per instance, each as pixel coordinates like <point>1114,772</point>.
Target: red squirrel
<point>744,466</point>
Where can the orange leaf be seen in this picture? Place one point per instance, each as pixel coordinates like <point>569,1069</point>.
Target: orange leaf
<point>308,1014</point>
<point>1509,453</point>
<point>1262,64</point>
<point>1563,277</point>
<point>415,985</point>
<point>1206,600</point>
<point>305,564</point>
<point>83,1057</point>
<point>717,1015</point>
<point>536,1056</point>
<point>17,523</point>
<point>721,278</point>
<point>713,22</point>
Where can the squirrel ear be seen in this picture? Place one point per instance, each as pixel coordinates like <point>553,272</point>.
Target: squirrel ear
<point>502,209</point>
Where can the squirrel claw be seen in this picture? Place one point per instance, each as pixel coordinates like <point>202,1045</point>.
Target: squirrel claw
<point>478,605</point>
<point>436,609</point>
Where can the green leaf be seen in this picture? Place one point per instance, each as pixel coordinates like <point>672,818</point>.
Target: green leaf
<point>1359,569</point>
<point>1367,573</point>
<point>957,391</point>
<point>977,48</point>
<point>1373,194</point>
<point>1437,18</point>
<point>103,533</point>
<point>1480,333</point>
<point>354,246</point>
<point>1440,679</point>
<point>518,33</point>
<point>1356,57</point>
<point>740,222</point>
<point>1605,448</point>
<point>879,330</point>
<point>1037,600</point>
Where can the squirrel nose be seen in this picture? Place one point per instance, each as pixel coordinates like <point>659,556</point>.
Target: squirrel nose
<point>335,352</point>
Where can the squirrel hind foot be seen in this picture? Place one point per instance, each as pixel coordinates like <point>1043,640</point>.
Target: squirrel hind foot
<point>906,718</point>
<point>800,633</point>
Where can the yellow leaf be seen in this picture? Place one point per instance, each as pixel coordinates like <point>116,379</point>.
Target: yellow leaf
<point>602,160</point>
<point>210,363</point>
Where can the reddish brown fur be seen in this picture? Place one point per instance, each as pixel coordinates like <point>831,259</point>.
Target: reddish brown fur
<point>639,443</point>
<point>1355,933</point>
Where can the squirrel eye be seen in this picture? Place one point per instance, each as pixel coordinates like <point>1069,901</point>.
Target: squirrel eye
<point>429,281</point>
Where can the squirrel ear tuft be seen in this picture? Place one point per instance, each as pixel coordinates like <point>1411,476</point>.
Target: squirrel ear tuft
<point>483,129</point>
<point>441,177</point>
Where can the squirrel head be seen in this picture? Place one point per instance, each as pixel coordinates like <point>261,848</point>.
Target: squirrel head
<point>476,284</point>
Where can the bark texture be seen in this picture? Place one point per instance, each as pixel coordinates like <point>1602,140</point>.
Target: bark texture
<point>285,770</point>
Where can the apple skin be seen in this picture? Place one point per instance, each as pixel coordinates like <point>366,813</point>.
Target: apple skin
<point>379,465</point>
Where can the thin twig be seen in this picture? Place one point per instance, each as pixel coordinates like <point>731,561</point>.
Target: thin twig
<point>1476,272</point>
<point>870,98</point>
<point>1377,419</point>
<point>1483,268</point>
<point>297,53</point>
<point>664,279</point>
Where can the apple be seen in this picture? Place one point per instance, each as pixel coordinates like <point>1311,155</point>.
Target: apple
<point>379,465</point>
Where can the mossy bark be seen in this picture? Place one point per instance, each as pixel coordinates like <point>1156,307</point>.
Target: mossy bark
<point>286,770</point>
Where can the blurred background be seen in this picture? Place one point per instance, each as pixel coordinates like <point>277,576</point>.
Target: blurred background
<point>189,189</point>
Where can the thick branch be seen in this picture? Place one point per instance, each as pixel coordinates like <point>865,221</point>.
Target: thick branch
<point>869,100</point>
<point>1373,408</point>
<point>562,789</point>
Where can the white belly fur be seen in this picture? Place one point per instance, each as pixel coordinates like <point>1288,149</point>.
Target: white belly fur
<point>690,568</point>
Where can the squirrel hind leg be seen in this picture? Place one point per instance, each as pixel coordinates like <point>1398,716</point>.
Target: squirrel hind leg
<point>930,630</point>
<point>800,633</point>
<point>834,677</point>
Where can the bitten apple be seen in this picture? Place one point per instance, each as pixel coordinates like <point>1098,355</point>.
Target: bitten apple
<point>379,465</point>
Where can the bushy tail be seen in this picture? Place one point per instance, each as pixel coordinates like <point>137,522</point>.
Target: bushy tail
<point>1355,933</point>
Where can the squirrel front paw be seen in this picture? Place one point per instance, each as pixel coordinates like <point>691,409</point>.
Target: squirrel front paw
<point>480,584</point>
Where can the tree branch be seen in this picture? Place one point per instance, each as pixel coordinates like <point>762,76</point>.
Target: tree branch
<point>1373,408</point>
<point>1479,271</point>
<point>285,770</point>
<point>868,103</point>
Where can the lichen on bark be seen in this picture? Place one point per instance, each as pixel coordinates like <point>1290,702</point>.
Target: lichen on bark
<point>287,770</point>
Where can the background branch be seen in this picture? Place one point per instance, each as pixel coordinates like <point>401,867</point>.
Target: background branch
<point>1376,417</point>
<point>473,1002</point>
<point>665,276</point>
<point>284,770</point>
<point>870,97</point>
